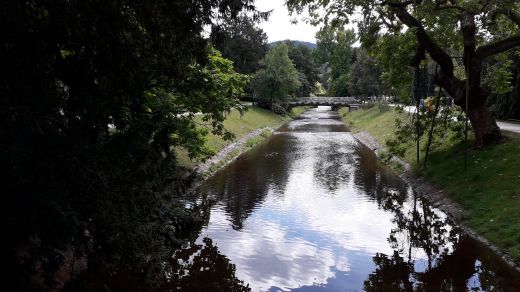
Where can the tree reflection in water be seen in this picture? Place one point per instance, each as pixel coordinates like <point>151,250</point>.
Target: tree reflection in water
<point>243,184</point>
<point>450,257</point>
<point>194,267</point>
<point>204,268</point>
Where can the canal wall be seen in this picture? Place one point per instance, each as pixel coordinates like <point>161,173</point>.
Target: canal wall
<point>437,197</point>
<point>232,151</point>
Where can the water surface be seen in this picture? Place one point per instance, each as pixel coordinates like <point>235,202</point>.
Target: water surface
<point>311,209</point>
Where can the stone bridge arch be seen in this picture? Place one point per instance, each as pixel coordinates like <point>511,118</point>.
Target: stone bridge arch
<point>334,102</point>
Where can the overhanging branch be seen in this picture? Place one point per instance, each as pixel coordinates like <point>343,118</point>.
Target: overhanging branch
<point>398,4</point>
<point>499,46</point>
<point>515,17</point>
<point>388,23</point>
<point>444,5</point>
<point>435,51</point>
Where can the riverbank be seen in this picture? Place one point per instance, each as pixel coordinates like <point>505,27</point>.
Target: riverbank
<point>255,125</point>
<point>485,197</point>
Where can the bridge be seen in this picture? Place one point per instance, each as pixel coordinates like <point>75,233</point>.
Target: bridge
<point>334,102</point>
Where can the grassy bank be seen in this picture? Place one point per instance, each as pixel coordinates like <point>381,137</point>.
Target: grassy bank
<point>488,191</point>
<point>379,124</point>
<point>254,118</point>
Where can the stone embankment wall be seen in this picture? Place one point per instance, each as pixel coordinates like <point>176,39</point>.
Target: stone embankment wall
<point>438,198</point>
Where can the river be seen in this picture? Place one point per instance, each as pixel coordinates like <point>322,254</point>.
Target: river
<point>312,209</point>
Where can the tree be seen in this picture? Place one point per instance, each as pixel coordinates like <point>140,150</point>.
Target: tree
<point>391,52</point>
<point>94,97</point>
<point>301,56</point>
<point>334,47</point>
<point>502,78</point>
<point>240,40</point>
<point>364,76</point>
<point>441,28</point>
<point>278,78</point>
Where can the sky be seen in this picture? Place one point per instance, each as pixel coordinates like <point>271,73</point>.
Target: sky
<point>279,26</point>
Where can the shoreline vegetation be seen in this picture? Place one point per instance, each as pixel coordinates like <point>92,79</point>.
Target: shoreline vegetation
<point>250,129</point>
<point>487,193</point>
<point>114,110</point>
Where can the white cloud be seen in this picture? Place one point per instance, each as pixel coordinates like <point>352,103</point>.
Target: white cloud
<point>307,234</point>
<point>279,26</point>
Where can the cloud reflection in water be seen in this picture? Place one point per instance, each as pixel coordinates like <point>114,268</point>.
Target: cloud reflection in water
<point>318,225</point>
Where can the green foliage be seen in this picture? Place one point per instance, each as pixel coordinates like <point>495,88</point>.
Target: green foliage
<point>240,40</point>
<point>339,86</point>
<point>399,34</point>
<point>498,76</point>
<point>250,143</point>
<point>302,57</point>
<point>96,95</point>
<point>505,101</point>
<point>334,48</point>
<point>378,20</point>
<point>391,52</point>
<point>487,191</point>
<point>364,76</point>
<point>341,53</point>
<point>379,124</point>
<point>320,90</point>
<point>216,88</point>
<point>397,130</point>
<point>408,128</point>
<point>278,78</point>
<point>296,111</point>
<point>382,106</point>
<point>240,124</point>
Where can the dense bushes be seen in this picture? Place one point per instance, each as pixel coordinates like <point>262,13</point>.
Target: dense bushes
<point>94,96</point>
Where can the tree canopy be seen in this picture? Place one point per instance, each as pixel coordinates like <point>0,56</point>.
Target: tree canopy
<point>240,40</point>
<point>278,78</point>
<point>502,79</point>
<point>94,97</point>
<point>302,57</point>
<point>364,76</point>
<point>473,30</point>
<point>334,48</point>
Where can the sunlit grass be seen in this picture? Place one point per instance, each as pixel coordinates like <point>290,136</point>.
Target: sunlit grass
<point>379,124</point>
<point>489,189</point>
<point>254,118</point>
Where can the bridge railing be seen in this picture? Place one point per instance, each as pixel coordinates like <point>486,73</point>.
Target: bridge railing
<point>325,99</point>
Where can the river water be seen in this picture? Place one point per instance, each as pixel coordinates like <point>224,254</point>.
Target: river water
<point>311,209</point>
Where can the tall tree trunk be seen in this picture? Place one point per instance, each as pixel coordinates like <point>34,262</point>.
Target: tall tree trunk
<point>482,120</point>
<point>484,125</point>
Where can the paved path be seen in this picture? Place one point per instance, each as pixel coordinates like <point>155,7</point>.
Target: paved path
<point>509,126</point>
<point>503,125</point>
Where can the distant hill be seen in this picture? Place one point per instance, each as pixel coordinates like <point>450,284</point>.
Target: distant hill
<point>307,44</point>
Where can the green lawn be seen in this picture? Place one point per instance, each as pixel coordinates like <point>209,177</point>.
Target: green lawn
<point>379,124</point>
<point>489,190</point>
<point>254,118</point>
